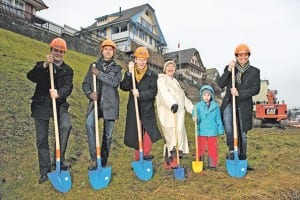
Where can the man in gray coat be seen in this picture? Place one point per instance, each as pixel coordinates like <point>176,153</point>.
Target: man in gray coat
<point>109,76</point>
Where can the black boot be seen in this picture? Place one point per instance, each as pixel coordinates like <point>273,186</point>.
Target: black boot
<point>104,156</point>
<point>249,168</point>
<point>104,153</point>
<point>230,155</point>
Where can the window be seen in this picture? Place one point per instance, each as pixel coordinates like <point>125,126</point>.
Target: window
<point>20,8</point>
<point>115,29</point>
<point>123,27</point>
<point>101,32</point>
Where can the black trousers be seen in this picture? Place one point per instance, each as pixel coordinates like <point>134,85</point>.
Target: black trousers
<point>42,133</point>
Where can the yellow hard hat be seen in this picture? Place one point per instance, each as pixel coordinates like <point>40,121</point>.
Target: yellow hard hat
<point>108,42</point>
<point>141,52</point>
<point>242,47</point>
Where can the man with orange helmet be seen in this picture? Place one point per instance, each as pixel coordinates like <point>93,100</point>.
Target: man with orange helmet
<point>108,76</point>
<point>247,79</point>
<point>145,92</point>
<point>41,106</point>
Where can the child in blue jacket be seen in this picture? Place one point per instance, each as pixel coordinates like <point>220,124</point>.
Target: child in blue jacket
<point>210,125</point>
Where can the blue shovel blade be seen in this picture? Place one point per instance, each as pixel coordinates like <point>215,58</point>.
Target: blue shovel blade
<point>100,177</point>
<point>60,180</point>
<point>179,173</point>
<point>236,168</point>
<point>143,169</point>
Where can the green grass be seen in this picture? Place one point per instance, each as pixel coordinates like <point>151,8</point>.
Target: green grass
<point>274,153</point>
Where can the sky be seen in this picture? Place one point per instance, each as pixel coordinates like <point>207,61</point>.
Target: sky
<point>271,28</point>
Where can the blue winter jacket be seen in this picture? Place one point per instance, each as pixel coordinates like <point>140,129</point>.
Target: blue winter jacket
<point>208,117</point>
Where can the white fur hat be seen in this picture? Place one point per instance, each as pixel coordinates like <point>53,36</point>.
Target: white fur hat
<point>168,63</point>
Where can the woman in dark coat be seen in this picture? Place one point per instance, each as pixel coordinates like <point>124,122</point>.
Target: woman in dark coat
<point>146,90</point>
<point>247,80</point>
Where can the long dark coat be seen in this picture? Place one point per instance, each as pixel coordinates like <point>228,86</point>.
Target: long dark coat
<point>250,86</point>
<point>147,91</point>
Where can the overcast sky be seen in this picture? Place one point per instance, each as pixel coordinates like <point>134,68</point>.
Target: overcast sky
<point>214,27</point>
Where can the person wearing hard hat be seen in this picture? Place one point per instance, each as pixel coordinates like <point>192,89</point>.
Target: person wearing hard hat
<point>41,106</point>
<point>108,76</point>
<point>247,85</point>
<point>145,92</point>
<point>170,100</point>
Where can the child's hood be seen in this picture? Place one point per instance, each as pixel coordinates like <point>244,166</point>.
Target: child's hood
<point>207,87</point>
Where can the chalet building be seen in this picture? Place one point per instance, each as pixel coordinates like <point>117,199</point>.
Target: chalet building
<point>189,64</point>
<point>24,9</point>
<point>129,29</point>
<point>262,95</point>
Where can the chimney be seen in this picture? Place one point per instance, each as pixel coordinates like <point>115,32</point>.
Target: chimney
<point>120,11</point>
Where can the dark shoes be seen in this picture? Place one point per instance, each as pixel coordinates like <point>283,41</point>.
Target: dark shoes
<point>148,157</point>
<point>103,161</point>
<point>249,168</point>
<point>212,168</point>
<point>63,166</point>
<point>93,165</point>
<point>43,179</point>
<point>230,155</point>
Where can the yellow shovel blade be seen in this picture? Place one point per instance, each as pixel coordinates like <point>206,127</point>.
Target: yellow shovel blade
<point>197,166</point>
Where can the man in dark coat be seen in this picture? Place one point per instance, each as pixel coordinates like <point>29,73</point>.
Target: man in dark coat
<point>247,80</point>
<point>145,92</point>
<point>41,106</point>
<point>108,77</point>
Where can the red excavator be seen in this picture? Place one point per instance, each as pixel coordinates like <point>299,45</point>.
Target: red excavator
<point>270,113</point>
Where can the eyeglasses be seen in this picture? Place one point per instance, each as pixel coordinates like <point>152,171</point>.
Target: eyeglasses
<point>243,55</point>
<point>58,51</point>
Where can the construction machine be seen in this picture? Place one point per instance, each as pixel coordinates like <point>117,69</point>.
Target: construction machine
<point>270,112</point>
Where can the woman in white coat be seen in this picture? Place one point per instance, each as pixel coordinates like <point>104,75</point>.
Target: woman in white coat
<point>171,99</point>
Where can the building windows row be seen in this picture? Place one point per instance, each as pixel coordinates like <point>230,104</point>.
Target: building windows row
<point>147,24</point>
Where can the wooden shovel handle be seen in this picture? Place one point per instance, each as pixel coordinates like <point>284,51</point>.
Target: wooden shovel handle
<point>235,135</point>
<point>176,135</point>
<point>137,115</point>
<point>96,116</point>
<point>196,138</point>
<point>57,145</point>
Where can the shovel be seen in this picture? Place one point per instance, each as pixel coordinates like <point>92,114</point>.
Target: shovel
<point>178,171</point>
<point>197,165</point>
<point>143,169</point>
<point>235,168</point>
<point>100,177</point>
<point>60,180</point>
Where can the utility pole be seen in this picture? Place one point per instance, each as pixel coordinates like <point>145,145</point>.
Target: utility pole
<point>179,61</point>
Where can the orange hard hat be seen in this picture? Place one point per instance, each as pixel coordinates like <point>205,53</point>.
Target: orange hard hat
<point>59,44</point>
<point>242,48</point>
<point>108,42</point>
<point>141,52</point>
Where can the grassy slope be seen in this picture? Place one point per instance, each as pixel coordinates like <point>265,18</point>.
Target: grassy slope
<point>274,153</point>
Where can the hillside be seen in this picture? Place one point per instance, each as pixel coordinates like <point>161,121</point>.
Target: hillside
<point>274,153</point>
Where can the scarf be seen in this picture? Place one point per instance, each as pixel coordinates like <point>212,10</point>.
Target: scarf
<point>106,64</point>
<point>241,70</point>
<point>139,73</point>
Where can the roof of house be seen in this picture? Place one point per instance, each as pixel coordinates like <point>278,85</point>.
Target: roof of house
<point>185,55</point>
<point>125,15</point>
<point>38,4</point>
